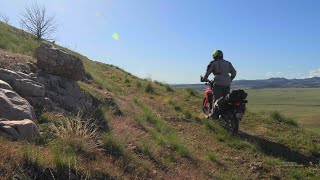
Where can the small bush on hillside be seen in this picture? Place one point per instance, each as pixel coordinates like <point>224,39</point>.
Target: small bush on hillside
<point>276,115</point>
<point>212,156</point>
<point>112,146</point>
<point>138,84</point>
<point>88,75</point>
<point>187,115</point>
<point>100,119</point>
<point>177,108</point>
<point>149,88</point>
<point>159,83</point>
<point>191,91</point>
<point>145,149</point>
<point>127,81</point>
<point>168,88</point>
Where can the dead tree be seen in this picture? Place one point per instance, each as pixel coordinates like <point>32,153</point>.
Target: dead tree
<point>36,21</point>
<point>5,18</point>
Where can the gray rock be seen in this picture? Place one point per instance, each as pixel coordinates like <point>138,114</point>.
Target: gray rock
<point>28,88</point>
<point>8,75</point>
<point>19,130</point>
<point>66,93</point>
<point>13,106</point>
<point>25,68</point>
<point>23,75</point>
<point>55,61</point>
<point>4,85</point>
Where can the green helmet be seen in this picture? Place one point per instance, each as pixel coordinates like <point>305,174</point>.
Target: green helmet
<point>217,54</point>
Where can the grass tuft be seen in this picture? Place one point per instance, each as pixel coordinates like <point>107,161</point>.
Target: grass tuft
<point>276,115</point>
<point>112,146</point>
<point>149,88</point>
<point>191,92</point>
<point>78,135</point>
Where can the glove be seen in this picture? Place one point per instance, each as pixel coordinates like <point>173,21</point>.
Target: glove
<point>201,79</point>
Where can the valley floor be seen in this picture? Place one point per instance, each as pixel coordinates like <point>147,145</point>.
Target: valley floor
<point>302,104</point>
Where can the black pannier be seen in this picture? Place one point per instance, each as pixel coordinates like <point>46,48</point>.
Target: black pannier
<point>237,95</point>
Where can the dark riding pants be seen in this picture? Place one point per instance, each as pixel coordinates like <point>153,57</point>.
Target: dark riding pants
<point>219,91</point>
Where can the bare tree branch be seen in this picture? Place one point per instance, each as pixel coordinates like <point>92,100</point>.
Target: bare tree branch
<point>36,20</point>
<point>5,18</point>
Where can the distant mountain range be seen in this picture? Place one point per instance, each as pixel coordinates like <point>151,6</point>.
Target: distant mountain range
<point>266,83</point>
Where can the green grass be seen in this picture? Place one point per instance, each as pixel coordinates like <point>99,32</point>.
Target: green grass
<point>164,134</point>
<point>276,115</point>
<point>16,40</point>
<point>192,92</point>
<point>152,104</point>
<point>301,104</point>
<point>112,146</point>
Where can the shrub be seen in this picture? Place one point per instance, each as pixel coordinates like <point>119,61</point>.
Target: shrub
<point>149,88</point>
<point>138,84</point>
<point>168,88</point>
<point>212,157</point>
<point>145,149</point>
<point>177,108</point>
<point>127,81</point>
<point>100,118</point>
<point>191,91</point>
<point>159,83</point>
<point>276,115</point>
<point>112,146</point>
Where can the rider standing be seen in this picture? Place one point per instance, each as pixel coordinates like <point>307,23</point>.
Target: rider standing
<point>221,69</point>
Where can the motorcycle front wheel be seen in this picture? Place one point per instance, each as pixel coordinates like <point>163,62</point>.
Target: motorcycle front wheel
<point>206,108</point>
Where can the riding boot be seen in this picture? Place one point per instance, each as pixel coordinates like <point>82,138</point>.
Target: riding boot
<point>215,114</point>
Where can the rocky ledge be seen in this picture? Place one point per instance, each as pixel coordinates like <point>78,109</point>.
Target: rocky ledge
<point>52,86</point>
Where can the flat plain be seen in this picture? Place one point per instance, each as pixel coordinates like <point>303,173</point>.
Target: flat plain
<point>302,104</point>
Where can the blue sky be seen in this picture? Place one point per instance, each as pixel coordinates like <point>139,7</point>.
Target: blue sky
<point>172,40</point>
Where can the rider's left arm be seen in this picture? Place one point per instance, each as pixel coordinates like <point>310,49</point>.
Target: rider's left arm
<point>210,69</point>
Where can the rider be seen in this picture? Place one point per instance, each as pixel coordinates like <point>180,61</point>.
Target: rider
<point>221,69</point>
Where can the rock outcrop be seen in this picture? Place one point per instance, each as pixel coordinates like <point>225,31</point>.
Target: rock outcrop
<point>13,106</point>
<point>66,93</point>
<point>19,130</point>
<point>51,87</point>
<point>4,85</point>
<point>55,61</point>
<point>24,85</point>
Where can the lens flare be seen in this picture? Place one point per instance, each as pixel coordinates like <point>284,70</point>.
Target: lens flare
<point>115,36</point>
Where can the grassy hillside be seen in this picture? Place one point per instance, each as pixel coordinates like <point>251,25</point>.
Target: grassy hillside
<point>154,131</point>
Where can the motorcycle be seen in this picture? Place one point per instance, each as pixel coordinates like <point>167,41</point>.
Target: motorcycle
<point>231,107</point>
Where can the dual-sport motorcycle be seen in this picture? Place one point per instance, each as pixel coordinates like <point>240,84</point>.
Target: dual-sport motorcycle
<point>230,107</point>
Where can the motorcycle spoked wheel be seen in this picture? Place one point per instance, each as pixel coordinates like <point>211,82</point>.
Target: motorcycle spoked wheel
<point>230,122</point>
<point>206,108</point>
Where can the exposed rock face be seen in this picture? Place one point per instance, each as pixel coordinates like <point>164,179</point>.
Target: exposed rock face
<point>55,61</point>
<point>28,88</point>
<point>66,93</point>
<point>9,76</point>
<point>4,85</point>
<point>13,106</point>
<point>23,85</point>
<point>19,130</point>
